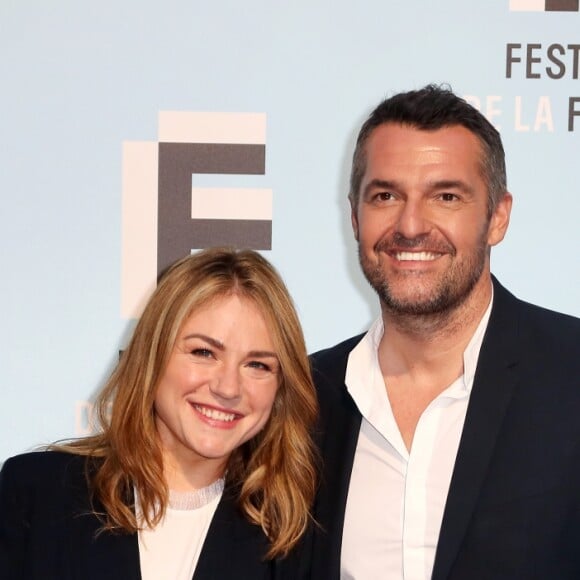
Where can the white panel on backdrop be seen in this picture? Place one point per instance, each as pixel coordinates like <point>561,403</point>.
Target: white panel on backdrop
<point>527,5</point>
<point>139,275</point>
<point>205,127</point>
<point>231,203</point>
<point>141,174</point>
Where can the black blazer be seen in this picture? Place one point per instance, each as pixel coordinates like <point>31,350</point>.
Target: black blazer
<point>47,531</point>
<point>513,508</point>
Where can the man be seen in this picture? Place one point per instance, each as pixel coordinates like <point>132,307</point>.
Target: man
<point>450,431</point>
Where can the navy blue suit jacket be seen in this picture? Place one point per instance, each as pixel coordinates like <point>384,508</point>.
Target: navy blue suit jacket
<point>513,507</point>
<point>48,531</point>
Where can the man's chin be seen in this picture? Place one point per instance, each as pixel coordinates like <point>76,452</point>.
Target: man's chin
<point>411,295</point>
<point>416,307</point>
<point>414,296</point>
<point>423,301</point>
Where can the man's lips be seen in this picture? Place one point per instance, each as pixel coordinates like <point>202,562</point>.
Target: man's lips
<point>420,249</point>
<point>423,256</point>
<point>216,414</point>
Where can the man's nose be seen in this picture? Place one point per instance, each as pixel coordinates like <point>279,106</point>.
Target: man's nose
<point>413,219</point>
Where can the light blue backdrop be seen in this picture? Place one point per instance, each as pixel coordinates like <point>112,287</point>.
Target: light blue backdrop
<point>78,78</point>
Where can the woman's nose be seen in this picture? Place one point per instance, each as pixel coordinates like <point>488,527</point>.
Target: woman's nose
<point>226,383</point>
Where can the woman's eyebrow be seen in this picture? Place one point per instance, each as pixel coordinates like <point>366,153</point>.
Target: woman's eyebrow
<point>213,341</point>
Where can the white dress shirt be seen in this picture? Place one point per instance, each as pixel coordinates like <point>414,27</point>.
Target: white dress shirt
<point>396,498</point>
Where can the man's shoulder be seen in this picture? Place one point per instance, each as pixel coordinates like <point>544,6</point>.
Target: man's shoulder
<point>533,315</point>
<point>329,366</point>
<point>552,336</point>
<point>551,319</point>
<point>328,371</point>
<point>337,352</point>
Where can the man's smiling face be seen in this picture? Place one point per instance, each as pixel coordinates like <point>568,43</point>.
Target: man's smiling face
<point>422,218</point>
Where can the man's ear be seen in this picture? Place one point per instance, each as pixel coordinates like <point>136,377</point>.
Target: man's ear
<point>500,220</point>
<point>354,219</point>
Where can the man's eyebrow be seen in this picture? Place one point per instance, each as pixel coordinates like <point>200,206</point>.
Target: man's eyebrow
<point>451,184</point>
<point>379,184</point>
<point>436,184</point>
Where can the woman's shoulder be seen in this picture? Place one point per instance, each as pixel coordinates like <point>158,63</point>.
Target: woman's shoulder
<point>44,468</point>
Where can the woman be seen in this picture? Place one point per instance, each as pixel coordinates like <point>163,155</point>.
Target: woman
<point>204,466</point>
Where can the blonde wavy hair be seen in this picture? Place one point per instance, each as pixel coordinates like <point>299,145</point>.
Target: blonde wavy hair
<point>273,474</point>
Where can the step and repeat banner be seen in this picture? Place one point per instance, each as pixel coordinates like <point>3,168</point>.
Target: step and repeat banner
<point>134,132</point>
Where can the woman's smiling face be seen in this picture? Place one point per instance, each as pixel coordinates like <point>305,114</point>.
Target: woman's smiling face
<point>219,385</point>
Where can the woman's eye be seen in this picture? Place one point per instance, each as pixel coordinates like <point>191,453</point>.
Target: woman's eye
<point>258,365</point>
<point>202,352</point>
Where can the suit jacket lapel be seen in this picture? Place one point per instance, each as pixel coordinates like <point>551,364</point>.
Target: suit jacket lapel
<point>340,426</point>
<point>494,383</point>
<point>216,547</point>
<point>233,547</point>
<point>113,557</point>
<point>95,554</point>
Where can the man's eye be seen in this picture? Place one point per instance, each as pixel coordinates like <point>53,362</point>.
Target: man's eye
<point>384,196</point>
<point>448,197</point>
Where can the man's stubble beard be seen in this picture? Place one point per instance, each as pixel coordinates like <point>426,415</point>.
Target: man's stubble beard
<point>450,292</point>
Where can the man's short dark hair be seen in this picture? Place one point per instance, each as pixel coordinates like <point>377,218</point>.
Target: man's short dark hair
<point>430,108</point>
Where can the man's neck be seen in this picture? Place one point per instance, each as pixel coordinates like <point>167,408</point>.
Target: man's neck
<point>412,344</point>
<point>419,360</point>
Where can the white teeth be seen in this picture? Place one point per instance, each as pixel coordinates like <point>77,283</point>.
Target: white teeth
<point>215,414</point>
<point>416,256</point>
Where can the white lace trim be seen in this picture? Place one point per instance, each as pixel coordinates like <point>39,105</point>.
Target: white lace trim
<point>192,500</point>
